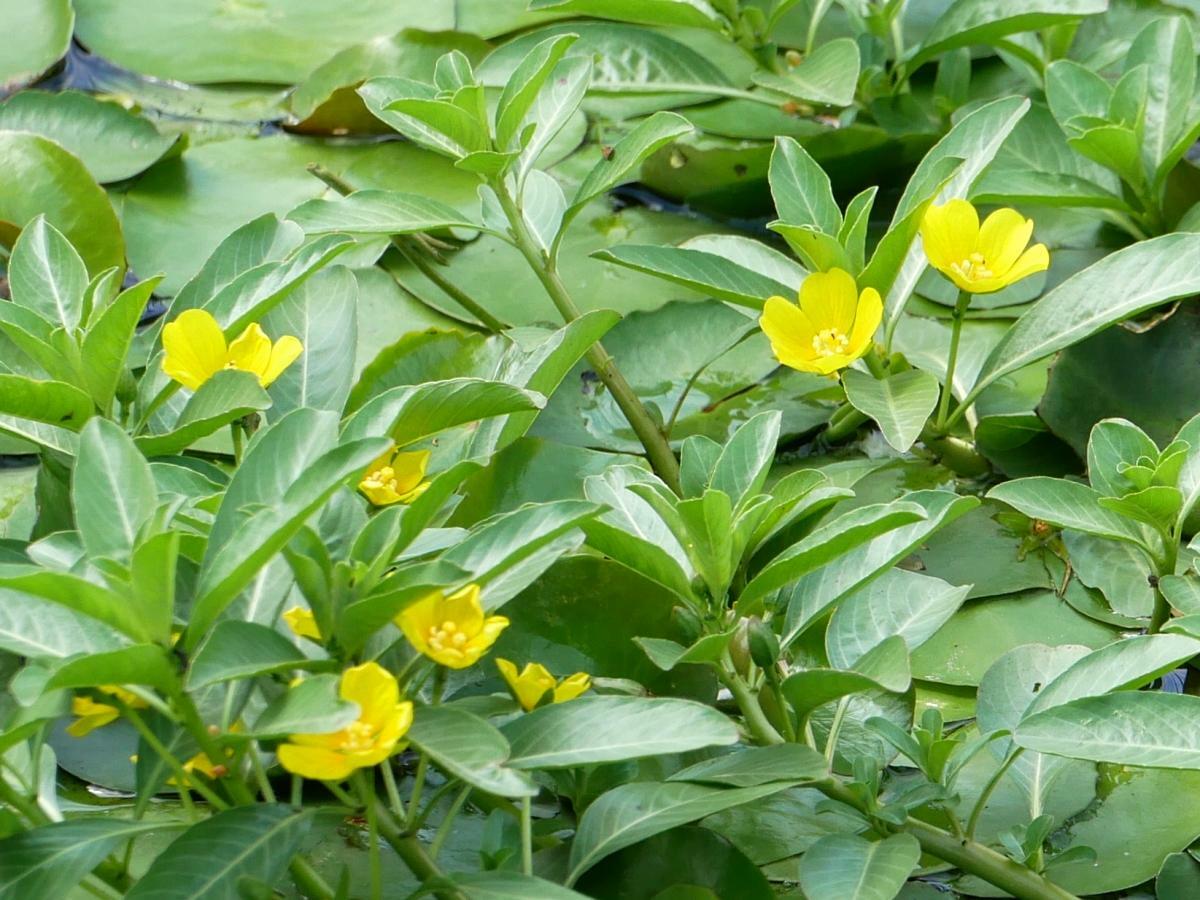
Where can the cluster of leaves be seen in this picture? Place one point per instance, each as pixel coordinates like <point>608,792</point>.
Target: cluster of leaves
<point>650,615</point>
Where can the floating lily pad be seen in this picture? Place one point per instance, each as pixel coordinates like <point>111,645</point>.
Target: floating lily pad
<point>177,213</point>
<point>112,142</point>
<point>36,36</point>
<point>275,41</point>
<point>38,177</point>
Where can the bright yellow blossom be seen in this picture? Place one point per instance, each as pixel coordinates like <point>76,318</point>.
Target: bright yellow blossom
<point>832,327</point>
<point>983,258</point>
<point>93,715</point>
<point>196,350</point>
<point>383,719</point>
<point>302,622</point>
<point>534,682</point>
<point>451,630</point>
<point>395,478</point>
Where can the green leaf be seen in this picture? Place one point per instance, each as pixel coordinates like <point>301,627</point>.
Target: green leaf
<point>1129,728</point>
<point>79,594</point>
<point>524,84</point>
<point>699,270</point>
<point>847,867</point>
<point>758,765</point>
<point>818,251</point>
<point>227,570</point>
<point>1111,443</point>
<point>146,664</point>
<point>802,192</point>
<point>105,347</point>
<point>828,76</point>
<point>226,397</point>
<point>112,490</point>
<point>212,859</point>
<point>33,627</point>
<point>502,885</point>
<point>906,604</point>
<point>686,13</point>
<point>412,413</point>
<point>323,314</point>
<point>313,706</point>
<point>377,212</point>
<point>241,650</point>
<point>1154,272</point>
<point>1066,504</point>
<point>900,404</point>
<point>596,729</point>
<point>470,748</point>
<point>50,860</point>
<point>1178,879</point>
<point>633,812</point>
<point>645,138</point>
<point>43,179</point>
<point>41,36</point>
<point>1074,90</point>
<point>666,654</point>
<point>47,276</point>
<point>745,461</point>
<point>1166,48</point>
<point>830,541</point>
<point>52,402</point>
<point>1121,666</point>
<point>111,141</point>
<point>970,22</point>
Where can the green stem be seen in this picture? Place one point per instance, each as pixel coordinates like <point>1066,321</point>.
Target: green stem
<point>417,259</point>
<point>844,422</point>
<point>658,448</point>
<point>993,783</point>
<point>393,793</point>
<point>413,854</point>
<point>235,431</point>
<point>960,311</point>
<point>967,855</point>
<point>414,798</point>
<point>365,788</point>
<point>446,825</point>
<point>527,835</point>
<point>310,883</point>
<point>182,779</point>
<point>260,774</point>
<point>835,729</point>
<point>1162,608</point>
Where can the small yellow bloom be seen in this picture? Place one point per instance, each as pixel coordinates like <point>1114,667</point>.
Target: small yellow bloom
<point>978,258</point>
<point>382,721</point>
<point>302,623</point>
<point>196,350</point>
<point>205,766</point>
<point>396,478</point>
<point>451,630</point>
<point>831,328</point>
<point>534,682</point>
<point>93,715</point>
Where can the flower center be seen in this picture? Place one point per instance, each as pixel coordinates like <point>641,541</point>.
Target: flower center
<point>830,342</point>
<point>359,736</point>
<point>973,268</point>
<point>447,636</point>
<point>382,478</point>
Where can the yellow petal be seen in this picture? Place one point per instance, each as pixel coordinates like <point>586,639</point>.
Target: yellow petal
<point>571,687</point>
<point>377,487</point>
<point>416,492</point>
<point>251,351</point>
<point>285,352</point>
<point>417,618</point>
<point>829,299</point>
<point>464,610</point>
<point>1002,238</point>
<point>1035,259</point>
<point>409,469</point>
<point>194,348</point>
<point>314,762</point>
<point>530,686</point>
<point>374,689</point>
<point>789,331</point>
<point>866,320</point>
<point>950,233</point>
<point>302,623</point>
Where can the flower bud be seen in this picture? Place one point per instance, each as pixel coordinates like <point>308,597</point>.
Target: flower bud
<point>689,624</point>
<point>739,648</point>
<point>764,645</point>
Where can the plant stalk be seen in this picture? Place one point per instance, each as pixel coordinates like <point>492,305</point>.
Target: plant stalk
<point>960,312</point>
<point>658,448</point>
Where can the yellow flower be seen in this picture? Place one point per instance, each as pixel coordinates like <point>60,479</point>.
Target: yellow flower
<point>451,630</point>
<point>981,258</point>
<point>534,682</point>
<point>383,719</point>
<point>302,623</point>
<point>196,350</point>
<point>395,478</point>
<point>831,328</point>
<point>93,715</point>
<point>205,766</point>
